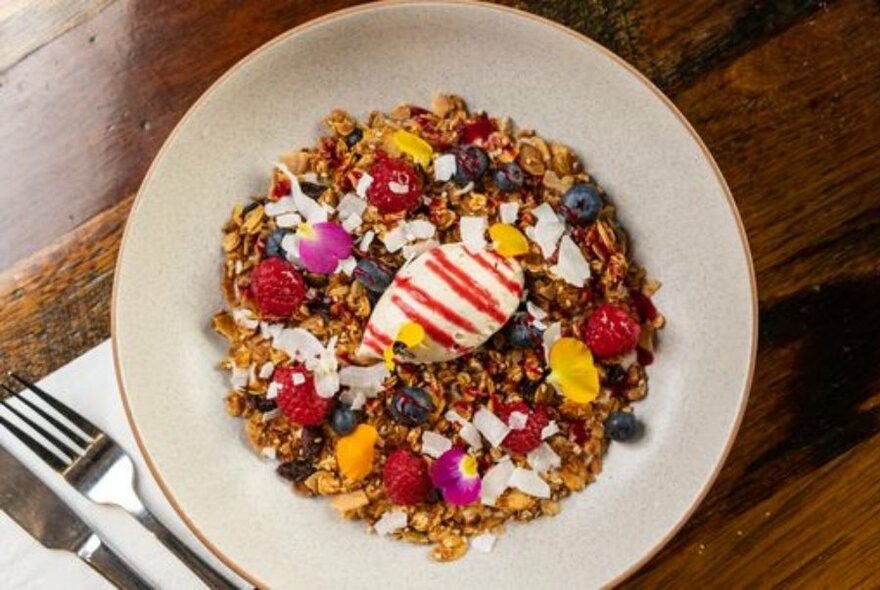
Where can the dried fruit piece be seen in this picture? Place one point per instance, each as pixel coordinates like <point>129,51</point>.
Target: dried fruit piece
<point>355,452</point>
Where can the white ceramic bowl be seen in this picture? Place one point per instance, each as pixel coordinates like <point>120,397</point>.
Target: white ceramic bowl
<point>671,197</point>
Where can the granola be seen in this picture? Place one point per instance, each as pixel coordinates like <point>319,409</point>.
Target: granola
<point>434,318</point>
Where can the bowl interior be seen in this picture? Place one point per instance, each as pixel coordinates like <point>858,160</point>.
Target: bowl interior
<point>671,198</point>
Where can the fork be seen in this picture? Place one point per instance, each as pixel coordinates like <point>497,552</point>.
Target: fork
<point>96,466</point>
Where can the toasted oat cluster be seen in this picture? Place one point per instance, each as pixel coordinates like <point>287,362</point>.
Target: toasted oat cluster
<point>434,319</point>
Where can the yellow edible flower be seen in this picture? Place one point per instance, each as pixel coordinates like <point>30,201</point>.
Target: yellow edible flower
<point>410,335</point>
<point>355,453</point>
<point>508,240</point>
<point>572,370</point>
<point>413,145</point>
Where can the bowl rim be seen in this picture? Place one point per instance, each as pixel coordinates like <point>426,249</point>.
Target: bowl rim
<point>282,37</point>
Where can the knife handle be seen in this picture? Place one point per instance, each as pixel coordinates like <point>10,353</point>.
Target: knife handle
<point>103,560</point>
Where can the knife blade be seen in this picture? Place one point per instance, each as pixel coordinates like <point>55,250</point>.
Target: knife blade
<point>45,516</point>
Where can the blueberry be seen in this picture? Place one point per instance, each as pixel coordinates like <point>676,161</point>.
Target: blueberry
<point>581,204</point>
<point>344,419</point>
<point>470,164</point>
<point>621,426</point>
<point>520,332</point>
<point>296,470</point>
<point>411,406</point>
<point>614,374</point>
<point>273,243</point>
<point>509,177</point>
<point>354,137</point>
<point>374,276</point>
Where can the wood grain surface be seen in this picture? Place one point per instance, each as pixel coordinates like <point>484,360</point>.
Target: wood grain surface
<point>786,95</point>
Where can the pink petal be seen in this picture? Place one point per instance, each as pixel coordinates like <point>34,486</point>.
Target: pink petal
<point>465,492</point>
<point>321,252</point>
<point>446,471</point>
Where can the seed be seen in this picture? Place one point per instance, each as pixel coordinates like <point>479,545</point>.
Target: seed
<point>295,471</point>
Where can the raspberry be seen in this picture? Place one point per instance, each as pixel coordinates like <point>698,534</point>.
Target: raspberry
<point>528,438</point>
<point>477,130</point>
<point>297,397</point>
<point>611,331</point>
<point>395,187</point>
<point>277,287</point>
<point>406,478</point>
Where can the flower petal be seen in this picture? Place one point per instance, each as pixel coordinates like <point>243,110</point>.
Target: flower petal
<point>323,245</point>
<point>573,370</point>
<point>463,493</point>
<point>413,145</point>
<point>508,240</point>
<point>411,334</point>
<point>446,470</point>
<point>355,452</point>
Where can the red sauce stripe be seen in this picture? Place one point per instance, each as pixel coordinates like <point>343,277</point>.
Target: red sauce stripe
<point>504,260</point>
<point>431,329</point>
<point>430,303</point>
<point>509,284</point>
<point>464,286</point>
<point>372,344</point>
<point>383,339</point>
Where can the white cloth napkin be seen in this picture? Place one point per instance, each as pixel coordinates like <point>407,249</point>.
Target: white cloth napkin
<point>88,384</point>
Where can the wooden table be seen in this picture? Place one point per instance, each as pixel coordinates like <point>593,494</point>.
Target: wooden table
<point>786,94</point>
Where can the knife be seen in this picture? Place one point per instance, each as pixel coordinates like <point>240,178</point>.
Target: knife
<point>50,521</point>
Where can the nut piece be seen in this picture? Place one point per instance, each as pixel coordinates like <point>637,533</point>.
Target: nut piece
<point>530,159</point>
<point>450,548</point>
<point>340,122</point>
<point>349,501</point>
<point>297,161</point>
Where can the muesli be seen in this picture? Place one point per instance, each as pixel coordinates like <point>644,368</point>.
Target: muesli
<point>434,318</point>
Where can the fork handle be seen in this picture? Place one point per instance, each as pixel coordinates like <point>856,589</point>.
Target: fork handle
<point>199,566</point>
<point>104,561</point>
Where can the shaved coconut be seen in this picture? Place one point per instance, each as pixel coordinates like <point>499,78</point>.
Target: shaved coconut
<point>517,420</point>
<point>549,430</point>
<point>298,378</point>
<point>299,344</point>
<point>434,444</point>
<point>421,229</point>
<point>349,501</point>
<point>398,188</point>
<point>347,265</point>
<point>268,330</point>
<point>626,360</point>
<point>391,521</point>
<point>496,481</point>
<point>395,239</point>
<point>310,209</point>
<point>282,206</point>
<point>349,205</point>
<point>508,212</point>
<point>368,379</point>
<point>444,167</point>
<point>413,250</point>
<point>363,184</point>
<point>352,222</point>
<point>545,212</point>
<point>366,240</point>
<point>491,426</point>
<point>551,335</point>
<point>473,231</point>
<point>543,459</point>
<point>546,234</point>
<point>270,415</point>
<point>535,311</point>
<point>326,383</point>
<point>353,398</point>
<point>266,370</point>
<point>572,267</point>
<point>268,453</point>
<point>272,390</point>
<point>455,417</point>
<point>471,435</point>
<point>239,378</point>
<point>529,482</point>
<point>310,177</point>
<point>245,318</point>
<point>290,245</point>
<point>465,189</point>
<point>484,542</point>
<point>288,220</point>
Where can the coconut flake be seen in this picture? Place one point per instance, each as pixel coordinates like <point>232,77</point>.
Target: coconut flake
<point>572,267</point>
<point>455,417</point>
<point>367,379</point>
<point>394,239</point>
<point>352,222</point>
<point>508,211</point>
<point>546,233</point>
<point>473,231</point>
<point>363,184</point>
<point>391,521</point>
<point>551,335</point>
<point>266,370</point>
<point>349,205</point>
<point>434,444</point>
<point>529,482</point>
<point>543,458</point>
<point>347,265</point>
<point>517,420</point>
<point>282,206</point>
<point>288,220</point>
<point>268,330</point>
<point>484,542</point>
<point>536,312</point>
<point>549,430</point>
<point>298,378</point>
<point>268,453</point>
<point>274,387</point>
<point>421,229</point>
<point>245,318</point>
<point>626,360</point>
<point>299,344</point>
<point>270,415</point>
<point>398,188</point>
<point>310,209</point>
<point>412,250</point>
<point>353,398</point>
<point>238,379</point>
<point>471,435</point>
<point>495,481</point>
<point>490,426</point>
<point>366,240</point>
<point>444,167</point>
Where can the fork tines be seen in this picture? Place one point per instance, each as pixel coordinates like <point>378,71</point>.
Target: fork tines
<point>63,446</point>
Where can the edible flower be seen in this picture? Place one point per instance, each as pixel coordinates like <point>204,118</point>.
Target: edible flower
<point>508,240</point>
<point>409,336</point>
<point>455,474</point>
<point>572,371</point>
<point>355,453</point>
<point>322,246</point>
<point>414,146</point>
